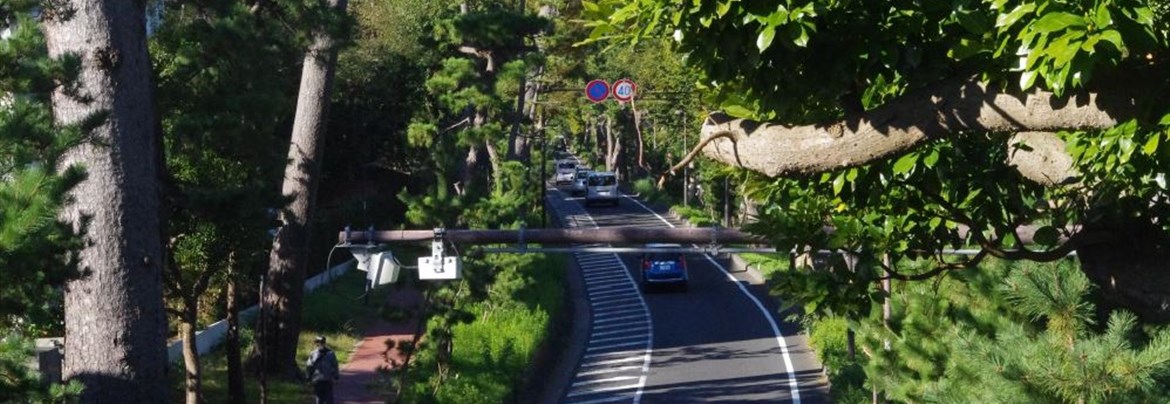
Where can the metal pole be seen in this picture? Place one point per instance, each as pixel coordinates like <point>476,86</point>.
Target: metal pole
<point>726,203</point>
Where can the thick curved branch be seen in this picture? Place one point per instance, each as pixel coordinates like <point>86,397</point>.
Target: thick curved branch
<point>1041,157</point>
<point>934,111</point>
<point>694,153</point>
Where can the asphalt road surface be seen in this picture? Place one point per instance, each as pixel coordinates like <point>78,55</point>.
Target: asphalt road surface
<point>719,341</point>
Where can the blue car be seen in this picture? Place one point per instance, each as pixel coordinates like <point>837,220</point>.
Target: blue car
<point>665,268</point>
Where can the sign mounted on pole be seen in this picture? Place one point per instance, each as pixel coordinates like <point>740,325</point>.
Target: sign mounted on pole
<point>623,90</point>
<point>597,90</point>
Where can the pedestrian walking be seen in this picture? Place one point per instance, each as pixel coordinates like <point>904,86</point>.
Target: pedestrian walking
<point>323,370</point>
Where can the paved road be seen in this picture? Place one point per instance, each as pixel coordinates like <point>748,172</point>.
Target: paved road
<point>716,342</point>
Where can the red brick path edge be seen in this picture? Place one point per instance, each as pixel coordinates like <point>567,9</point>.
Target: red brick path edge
<point>359,376</point>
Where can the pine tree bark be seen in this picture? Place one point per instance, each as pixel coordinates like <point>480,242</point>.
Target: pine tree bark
<point>284,290</point>
<point>114,317</point>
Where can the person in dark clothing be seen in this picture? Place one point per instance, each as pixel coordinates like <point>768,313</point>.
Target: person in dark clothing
<point>323,370</point>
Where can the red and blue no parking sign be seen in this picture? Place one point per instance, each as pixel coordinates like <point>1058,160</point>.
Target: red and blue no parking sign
<point>597,90</point>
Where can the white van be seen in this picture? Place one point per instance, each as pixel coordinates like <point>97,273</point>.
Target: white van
<point>601,187</point>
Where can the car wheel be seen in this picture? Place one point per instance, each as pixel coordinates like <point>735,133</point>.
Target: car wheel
<point>615,202</point>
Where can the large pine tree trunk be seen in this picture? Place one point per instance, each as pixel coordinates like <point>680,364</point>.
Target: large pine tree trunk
<point>284,291</point>
<point>114,319</point>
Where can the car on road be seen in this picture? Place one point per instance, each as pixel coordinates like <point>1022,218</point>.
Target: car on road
<point>566,172</point>
<point>665,268</point>
<point>601,187</point>
<point>579,187</point>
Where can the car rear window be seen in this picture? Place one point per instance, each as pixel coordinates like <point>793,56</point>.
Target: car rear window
<point>567,165</point>
<point>662,256</point>
<point>602,180</point>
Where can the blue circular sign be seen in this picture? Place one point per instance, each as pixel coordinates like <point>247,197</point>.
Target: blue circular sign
<point>597,90</point>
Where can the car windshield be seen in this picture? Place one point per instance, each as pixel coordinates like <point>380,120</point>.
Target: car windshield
<point>602,180</point>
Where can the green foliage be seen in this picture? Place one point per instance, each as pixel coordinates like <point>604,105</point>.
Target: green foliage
<point>37,250</point>
<point>829,338</point>
<point>1013,333</point>
<point>483,353</point>
<point>335,311</point>
<point>695,216</point>
<point>224,86</point>
<point>905,45</point>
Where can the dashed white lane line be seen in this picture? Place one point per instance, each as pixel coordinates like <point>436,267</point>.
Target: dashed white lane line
<point>641,316</point>
<point>611,361</point>
<point>619,324</point>
<point>608,389</point>
<point>607,370</point>
<point>621,338</point>
<point>632,329</point>
<point>605,380</point>
<point>601,400</point>
<point>610,346</point>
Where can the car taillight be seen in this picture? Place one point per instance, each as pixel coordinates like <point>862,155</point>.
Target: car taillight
<point>645,264</point>
<point>682,260</point>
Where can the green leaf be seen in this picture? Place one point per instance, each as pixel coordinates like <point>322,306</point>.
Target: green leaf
<point>1057,21</point>
<point>838,184</point>
<point>1114,37</point>
<point>1152,144</point>
<point>738,111</point>
<point>799,35</point>
<point>905,163</point>
<point>722,8</point>
<point>930,159</point>
<point>764,40</point>
<point>1046,236</point>
<point>972,21</point>
<point>590,7</point>
<point>1009,19</point>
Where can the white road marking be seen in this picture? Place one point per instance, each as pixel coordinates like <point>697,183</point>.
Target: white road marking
<point>611,361</point>
<point>607,370</point>
<point>621,338</point>
<point>637,394</point>
<point>602,347</point>
<point>620,318</point>
<point>603,333</point>
<point>606,380</point>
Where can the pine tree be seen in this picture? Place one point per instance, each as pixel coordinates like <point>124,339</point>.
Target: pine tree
<point>36,249</point>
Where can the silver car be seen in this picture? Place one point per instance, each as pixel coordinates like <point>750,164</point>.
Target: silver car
<point>601,187</point>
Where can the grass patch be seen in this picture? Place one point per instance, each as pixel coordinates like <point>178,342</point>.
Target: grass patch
<point>648,190</point>
<point>695,216</point>
<point>335,311</point>
<point>768,265</point>
<point>491,355</point>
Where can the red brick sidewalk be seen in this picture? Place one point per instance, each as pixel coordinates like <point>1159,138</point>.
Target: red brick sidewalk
<point>360,374</point>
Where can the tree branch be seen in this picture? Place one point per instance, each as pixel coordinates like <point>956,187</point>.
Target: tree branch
<point>693,154</point>
<point>934,111</point>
